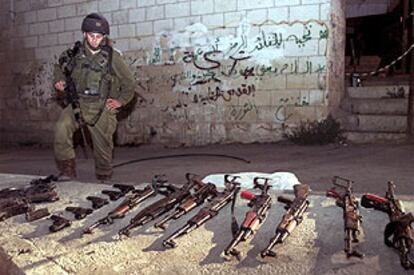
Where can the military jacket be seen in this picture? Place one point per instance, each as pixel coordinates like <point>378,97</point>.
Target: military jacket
<point>98,77</point>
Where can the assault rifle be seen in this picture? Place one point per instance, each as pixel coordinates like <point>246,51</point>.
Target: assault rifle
<point>67,64</point>
<point>136,197</point>
<point>174,196</point>
<point>259,204</point>
<point>398,232</point>
<point>293,217</point>
<point>352,220</point>
<point>204,191</point>
<point>207,212</point>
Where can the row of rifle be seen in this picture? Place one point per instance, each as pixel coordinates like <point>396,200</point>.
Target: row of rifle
<point>194,192</point>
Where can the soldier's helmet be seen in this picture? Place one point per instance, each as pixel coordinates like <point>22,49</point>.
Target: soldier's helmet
<point>95,22</point>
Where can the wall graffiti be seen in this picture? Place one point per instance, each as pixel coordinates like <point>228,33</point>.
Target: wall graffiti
<point>36,93</point>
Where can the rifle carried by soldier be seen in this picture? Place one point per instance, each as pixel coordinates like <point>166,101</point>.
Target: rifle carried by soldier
<point>135,198</point>
<point>292,218</point>
<point>352,220</point>
<point>202,192</point>
<point>398,232</point>
<point>260,205</point>
<point>174,195</point>
<point>207,212</point>
<point>67,64</point>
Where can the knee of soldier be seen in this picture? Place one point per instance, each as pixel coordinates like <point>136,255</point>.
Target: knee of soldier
<point>63,128</point>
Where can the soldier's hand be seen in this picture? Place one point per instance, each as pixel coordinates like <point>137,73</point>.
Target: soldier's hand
<point>60,85</point>
<point>112,104</point>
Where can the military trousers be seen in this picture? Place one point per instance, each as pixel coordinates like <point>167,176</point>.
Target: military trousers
<point>101,135</point>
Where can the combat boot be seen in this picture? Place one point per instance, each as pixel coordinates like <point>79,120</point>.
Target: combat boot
<point>67,169</point>
<point>104,179</point>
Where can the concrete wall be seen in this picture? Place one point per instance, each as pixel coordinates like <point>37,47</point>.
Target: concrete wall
<point>208,71</point>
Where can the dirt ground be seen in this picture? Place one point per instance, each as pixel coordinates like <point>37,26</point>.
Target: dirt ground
<point>369,166</point>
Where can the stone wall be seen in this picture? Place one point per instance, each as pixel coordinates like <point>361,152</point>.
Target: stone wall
<point>208,71</point>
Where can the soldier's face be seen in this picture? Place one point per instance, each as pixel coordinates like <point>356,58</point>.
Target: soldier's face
<point>94,39</point>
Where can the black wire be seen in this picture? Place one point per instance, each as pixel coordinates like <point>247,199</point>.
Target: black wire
<point>179,156</point>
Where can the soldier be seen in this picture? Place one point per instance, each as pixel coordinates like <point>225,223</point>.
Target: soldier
<point>103,84</point>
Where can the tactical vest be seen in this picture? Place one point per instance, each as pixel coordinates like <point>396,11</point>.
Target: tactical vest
<point>93,78</point>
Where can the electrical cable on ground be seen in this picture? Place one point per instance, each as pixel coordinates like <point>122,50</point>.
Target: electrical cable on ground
<point>179,156</point>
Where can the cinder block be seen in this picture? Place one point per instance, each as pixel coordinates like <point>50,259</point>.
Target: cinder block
<point>66,11</point>
<point>224,6</point>
<point>38,28</point>
<point>21,6</point>
<point>30,17</point>
<point>182,23</point>
<point>257,16</point>
<point>108,5</point>
<point>317,97</point>
<point>161,2</point>
<point>128,4</point>
<point>57,26</point>
<point>48,40</point>
<point>145,3</point>
<point>199,7</point>
<point>304,12</point>
<point>73,23</point>
<point>325,11</point>
<point>86,8</point>
<point>67,2</point>
<point>287,2</point>
<point>154,13</point>
<point>66,38</point>
<point>143,29</point>
<point>54,3</point>
<point>306,2</point>
<point>120,17</point>
<point>213,20</point>
<point>233,19</point>
<point>136,15</point>
<point>177,10</point>
<point>30,41</point>
<point>163,25</point>
<point>278,14</point>
<point>250,5</point>
<point>126,30</point>
<point>303,81</point>
<point>47,14</point>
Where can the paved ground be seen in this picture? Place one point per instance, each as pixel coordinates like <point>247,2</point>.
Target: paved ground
<point>370,166</point>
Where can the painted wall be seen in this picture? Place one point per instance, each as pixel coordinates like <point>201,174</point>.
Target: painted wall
<point>208,71</point>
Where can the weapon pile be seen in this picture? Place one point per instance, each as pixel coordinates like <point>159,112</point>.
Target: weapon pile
<point>16,201</point>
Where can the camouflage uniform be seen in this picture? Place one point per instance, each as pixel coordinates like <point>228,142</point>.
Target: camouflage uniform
<point>96,80</point>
